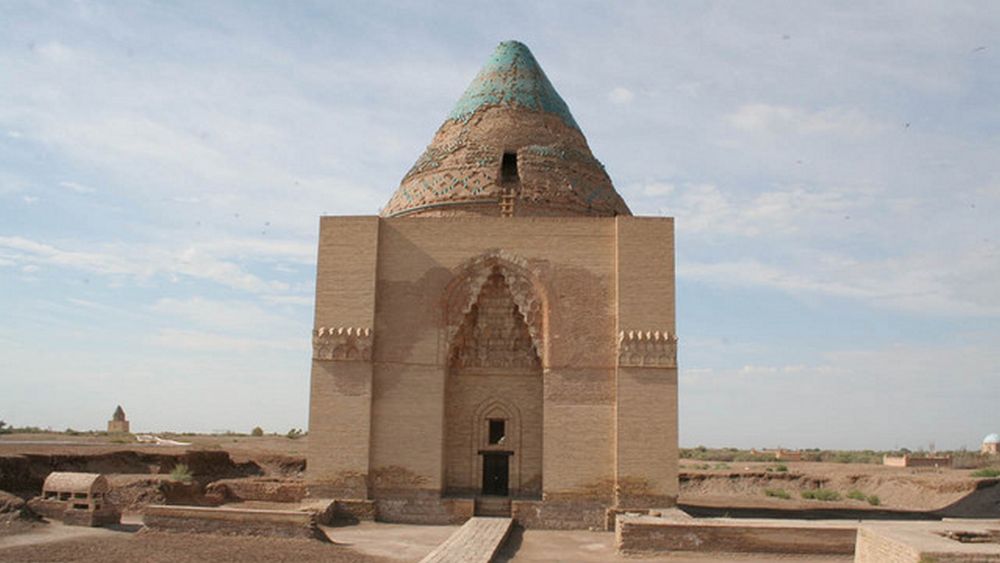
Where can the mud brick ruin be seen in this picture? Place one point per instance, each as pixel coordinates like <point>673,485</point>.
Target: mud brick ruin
<point>501,338</point>
<point>77,499</point>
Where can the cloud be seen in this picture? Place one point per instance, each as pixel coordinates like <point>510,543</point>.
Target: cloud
<point>56,52</point>
<point>229,315</point>
<point>961,283</point>
<point>78,188</point>
<point>705,210</point>
<point>621,96</point>
<point>658,189</point>
<point>199,341</point>
<point>778,119</point>
<point>220,261</point>
<point>29,199</point>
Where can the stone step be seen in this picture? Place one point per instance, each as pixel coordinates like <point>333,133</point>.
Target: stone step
<point>492,506</point>
<point>477,541</point>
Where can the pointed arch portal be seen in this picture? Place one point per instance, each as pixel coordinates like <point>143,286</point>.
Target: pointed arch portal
<point>493,394</point>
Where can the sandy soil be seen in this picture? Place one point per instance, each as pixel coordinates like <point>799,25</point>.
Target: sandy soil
<point>156,547</point>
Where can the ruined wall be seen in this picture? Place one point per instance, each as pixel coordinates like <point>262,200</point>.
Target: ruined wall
<point>250,522</point>
<point>648,536</point>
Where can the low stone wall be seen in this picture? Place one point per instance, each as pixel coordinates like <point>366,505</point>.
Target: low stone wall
<point>920,542</point>
<point>58,510</point>
<point>647,535</point>
<point>265,489</point>
<point>559,514</point>
<point>331,512</point>
<point>231,521</point>
<point>425,510</point>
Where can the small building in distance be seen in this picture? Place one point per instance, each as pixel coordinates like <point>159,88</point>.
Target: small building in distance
<point>991,444</point>
<point>77,499</point>
<point>118,423</point>
<point>907,460</point>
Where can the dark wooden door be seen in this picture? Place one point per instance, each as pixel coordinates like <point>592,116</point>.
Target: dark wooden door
<point>495,474</point>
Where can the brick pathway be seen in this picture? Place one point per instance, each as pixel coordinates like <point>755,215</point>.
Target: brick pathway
<point>475,542</point>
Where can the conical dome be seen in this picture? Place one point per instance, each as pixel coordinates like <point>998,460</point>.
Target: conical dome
<point>509,147</point>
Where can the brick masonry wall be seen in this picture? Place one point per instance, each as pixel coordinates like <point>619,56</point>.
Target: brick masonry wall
<point>643,535</point>
<point>588,271</point>
<point>288,524</point>
<point>646,397</point>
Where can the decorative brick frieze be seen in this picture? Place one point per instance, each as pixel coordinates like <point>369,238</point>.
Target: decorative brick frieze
<point>342,344</point>
<point>647,349</point>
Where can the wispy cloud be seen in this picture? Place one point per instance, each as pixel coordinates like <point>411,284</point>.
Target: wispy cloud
<point>78,188</point>
<point>219,261</point>
<point>776,119</point>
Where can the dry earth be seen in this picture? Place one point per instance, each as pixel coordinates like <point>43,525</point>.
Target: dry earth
<point>897,488</point>
<point>270,465</point>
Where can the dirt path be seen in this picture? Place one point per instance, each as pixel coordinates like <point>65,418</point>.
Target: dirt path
<point>54,532</point>
<point>398,542</point>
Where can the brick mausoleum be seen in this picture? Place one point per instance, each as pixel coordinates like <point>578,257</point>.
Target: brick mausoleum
<point>501,338</point>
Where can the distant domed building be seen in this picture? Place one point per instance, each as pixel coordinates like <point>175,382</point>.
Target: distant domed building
<point>501,339</point>
<point>991,444</point>
<point>118,423</point>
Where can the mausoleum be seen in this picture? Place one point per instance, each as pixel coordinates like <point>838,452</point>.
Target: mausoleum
<point>501,337</point>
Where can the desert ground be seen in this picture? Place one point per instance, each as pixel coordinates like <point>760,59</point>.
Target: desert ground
<point>264,471</point>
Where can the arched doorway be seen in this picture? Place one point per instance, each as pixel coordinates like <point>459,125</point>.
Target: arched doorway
<point>493,410</point>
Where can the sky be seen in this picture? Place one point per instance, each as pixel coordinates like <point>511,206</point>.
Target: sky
<point>834,171</point>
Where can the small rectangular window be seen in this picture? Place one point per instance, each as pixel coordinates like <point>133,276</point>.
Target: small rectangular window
<point>497,430</point>
<point>508,168</point>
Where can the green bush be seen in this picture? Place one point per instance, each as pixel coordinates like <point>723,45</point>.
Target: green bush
<point>257,432</point>
<point>874,500</point>
<point>856,495</point>
<point>986,473</point>
<point>721,466</point>
<point>821,494</point>
<point>181,472</point>
<point>781,468</point>
<point>777,493</point>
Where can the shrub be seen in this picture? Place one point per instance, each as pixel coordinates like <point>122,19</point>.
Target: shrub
<point>257,432</point>
<point>986,473</point>
<point>874,500</point>
<point>721,466</point>
<point>781,468</point>
<point>777,493</point>
<point>856,495</point>
<point>821,494</point>
<point>295,433</point>
<point>181,472</point>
